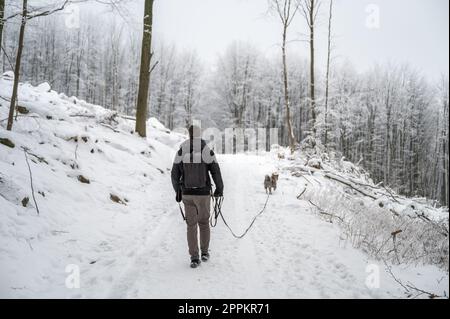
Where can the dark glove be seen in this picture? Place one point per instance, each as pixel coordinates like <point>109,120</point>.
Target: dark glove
<point>178,196</point>
<point>218,193</point>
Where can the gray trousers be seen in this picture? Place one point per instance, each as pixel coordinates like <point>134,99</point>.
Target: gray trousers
<point>197,209</point>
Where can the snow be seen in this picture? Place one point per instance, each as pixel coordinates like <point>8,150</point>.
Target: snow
<point>44,87</point>
<point>137,248</point>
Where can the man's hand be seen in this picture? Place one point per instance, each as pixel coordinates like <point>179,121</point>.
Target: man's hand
<point>217,193</point>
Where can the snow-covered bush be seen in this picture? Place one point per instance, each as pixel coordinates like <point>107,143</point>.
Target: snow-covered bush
<point>380,231</point>
<point>387,226</point>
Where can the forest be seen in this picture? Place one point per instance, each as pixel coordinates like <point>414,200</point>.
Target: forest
<point>100,107</point>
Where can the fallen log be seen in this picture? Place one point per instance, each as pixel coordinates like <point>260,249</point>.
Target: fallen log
<point>349,184</point>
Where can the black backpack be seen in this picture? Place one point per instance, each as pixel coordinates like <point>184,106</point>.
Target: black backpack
<point>195,175</point>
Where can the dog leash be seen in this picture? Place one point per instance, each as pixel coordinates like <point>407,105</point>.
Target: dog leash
<point>218,211</point>
<point>181,211</point>
<point>217,201</point>
<point>217,208</point>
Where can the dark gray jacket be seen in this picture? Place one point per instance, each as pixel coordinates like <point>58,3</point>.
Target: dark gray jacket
<point>186,170</point>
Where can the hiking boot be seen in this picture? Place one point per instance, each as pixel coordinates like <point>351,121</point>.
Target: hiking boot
<point>195,262</point>
<point>205,256</point>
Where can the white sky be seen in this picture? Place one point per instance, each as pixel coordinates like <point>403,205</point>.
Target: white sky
<point>414,31</point>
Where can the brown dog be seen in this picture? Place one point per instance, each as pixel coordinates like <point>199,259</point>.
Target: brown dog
<point>270,182</point>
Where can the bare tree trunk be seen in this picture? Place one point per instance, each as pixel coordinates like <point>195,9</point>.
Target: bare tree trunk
<point>443,192</point>
<point>312,77</point>
<point>144,76</point>
<point>327,84</point>
<point>310,9</point>
<point>387,149</point>
<point>2,13</point>
<point>286,94</point>
<point>17,67</point>
<point>243,105</point>
<point>286,10</point>
<point>78,75</point>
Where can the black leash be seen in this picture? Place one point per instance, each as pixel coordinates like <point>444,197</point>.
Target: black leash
<point>217,201</point>
<point>218,211</point>
<point>181,211</point>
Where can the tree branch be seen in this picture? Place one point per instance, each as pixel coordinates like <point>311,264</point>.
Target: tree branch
<point>323,212</point>
<point>350,185</point>
<point>25,150</point>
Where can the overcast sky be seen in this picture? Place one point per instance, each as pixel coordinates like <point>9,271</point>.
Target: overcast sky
<point>414,31</point>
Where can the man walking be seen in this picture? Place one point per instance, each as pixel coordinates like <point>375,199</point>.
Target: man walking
<point>193,164</point>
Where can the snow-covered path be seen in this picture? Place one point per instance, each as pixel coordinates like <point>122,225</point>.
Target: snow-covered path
<point>289,253</point>
<point>136,247</point>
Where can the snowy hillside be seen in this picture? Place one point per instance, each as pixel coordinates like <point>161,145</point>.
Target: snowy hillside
<point>79,223</point>
<point>106,205</point>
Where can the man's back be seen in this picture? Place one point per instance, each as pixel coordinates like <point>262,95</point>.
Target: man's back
<point>192,165</point>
